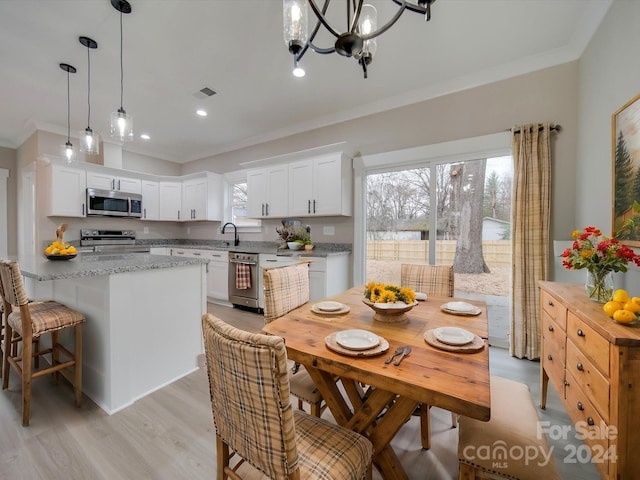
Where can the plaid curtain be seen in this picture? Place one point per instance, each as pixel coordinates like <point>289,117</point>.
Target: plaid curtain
<point>531,207</point>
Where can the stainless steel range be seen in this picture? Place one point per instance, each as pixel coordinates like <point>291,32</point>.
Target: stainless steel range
<point>243,279</point>
<point>119,241</point>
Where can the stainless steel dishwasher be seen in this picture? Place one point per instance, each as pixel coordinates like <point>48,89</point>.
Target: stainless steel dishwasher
<point>243,279</point>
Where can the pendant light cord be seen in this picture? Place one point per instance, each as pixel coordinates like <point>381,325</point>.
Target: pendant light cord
<point>68,108</point>
<point>121,65</point>
<point>88,89</point>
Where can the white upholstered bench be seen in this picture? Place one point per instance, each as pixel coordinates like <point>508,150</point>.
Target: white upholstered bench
<point>510,445</point>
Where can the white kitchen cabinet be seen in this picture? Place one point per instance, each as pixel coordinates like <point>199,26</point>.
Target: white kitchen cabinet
<point>170,200</point>
<point>150,200</point>
<point>202,198</point>
<point>328,276</point>
<point>267,192</point>
<point>108,181</point>
<point>160,251</point>
<point>320,186</point>
<point>218,275</point>
<point>65,191</point>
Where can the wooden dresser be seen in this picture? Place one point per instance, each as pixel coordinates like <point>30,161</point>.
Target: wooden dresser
<point>594,364</point>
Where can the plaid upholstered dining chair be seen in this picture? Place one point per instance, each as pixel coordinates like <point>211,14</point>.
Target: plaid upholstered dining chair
<point>286,288</point>
<point>28,322</point>
<point>254,418</point>
<point>433,280</point>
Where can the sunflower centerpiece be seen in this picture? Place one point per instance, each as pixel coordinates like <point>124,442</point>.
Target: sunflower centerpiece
<point>389,302</point>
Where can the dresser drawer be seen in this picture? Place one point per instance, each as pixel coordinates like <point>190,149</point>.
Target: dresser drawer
<point>555,336</point>
<point>553,364</point>
<point>589,342</point>
<point>554,308</point>
<point>592,382</point>
<point>588,423</point>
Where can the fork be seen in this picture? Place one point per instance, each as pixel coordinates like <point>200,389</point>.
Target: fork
<point>398,351</point>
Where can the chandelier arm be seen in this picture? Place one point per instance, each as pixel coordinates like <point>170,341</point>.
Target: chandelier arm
<point>310,44</point>
<point>414,8</point>
<point>356,15</point>
<point>321,17</point>
<point>387,25</point>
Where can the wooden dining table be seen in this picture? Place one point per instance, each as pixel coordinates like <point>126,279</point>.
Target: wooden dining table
<point>455,381</point>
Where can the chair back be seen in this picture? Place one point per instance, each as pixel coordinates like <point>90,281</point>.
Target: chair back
<point>430,279</point>
<point>285,288</point>
<point>249,387</point>
<point>12,286</point>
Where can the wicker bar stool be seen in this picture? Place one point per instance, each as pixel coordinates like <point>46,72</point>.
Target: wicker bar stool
<point>26,322</point>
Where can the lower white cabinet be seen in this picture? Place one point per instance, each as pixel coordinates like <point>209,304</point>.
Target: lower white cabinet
<point>218,275</point>
<point>217,270</point>
<point>328,276</point>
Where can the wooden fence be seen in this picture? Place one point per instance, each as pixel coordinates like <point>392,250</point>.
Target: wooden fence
<point>497,253</point>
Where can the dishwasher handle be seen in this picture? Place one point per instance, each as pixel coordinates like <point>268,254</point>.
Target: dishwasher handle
<point>245,262</point>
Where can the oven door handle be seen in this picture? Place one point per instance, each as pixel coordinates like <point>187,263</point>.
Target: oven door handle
<point>243,262</point>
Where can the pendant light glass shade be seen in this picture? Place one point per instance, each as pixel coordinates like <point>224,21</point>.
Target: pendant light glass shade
<point>89,140</point>
<point>121,123</point>
<point>68,151</point>
<point>121,126</point>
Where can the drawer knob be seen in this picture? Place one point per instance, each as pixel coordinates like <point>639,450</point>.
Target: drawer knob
<point>590,422</point>
<point>580,367</point>
<point>549,357</point>
<point>566,383</point>
<point>580,406</point>
<point>580,333</point>
<point>550,303</point>
<point>550,327</point>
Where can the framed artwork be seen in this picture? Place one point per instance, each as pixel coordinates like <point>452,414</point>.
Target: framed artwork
<point>626,172</point>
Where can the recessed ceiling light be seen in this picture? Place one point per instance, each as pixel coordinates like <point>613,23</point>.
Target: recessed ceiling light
<point>201,112</point>
<point>145,136</point>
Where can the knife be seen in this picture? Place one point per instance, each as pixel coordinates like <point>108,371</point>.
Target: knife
<point>405,351</point>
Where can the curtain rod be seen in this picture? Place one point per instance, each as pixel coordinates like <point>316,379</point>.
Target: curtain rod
<point>555,128</point>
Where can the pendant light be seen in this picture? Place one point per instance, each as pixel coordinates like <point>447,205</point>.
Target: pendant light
<point>67,149</point>
<point>121,123</point>
<point>89,140</point>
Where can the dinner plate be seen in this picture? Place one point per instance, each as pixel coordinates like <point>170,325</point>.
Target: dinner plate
<point>329,306</point>
<point>459,307</point>
<point>453,335</point>
<point>356,339</point>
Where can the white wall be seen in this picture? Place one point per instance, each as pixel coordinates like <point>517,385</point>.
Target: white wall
<point>609,77</point>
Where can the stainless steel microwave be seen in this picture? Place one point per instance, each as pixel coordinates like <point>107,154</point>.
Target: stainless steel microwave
<point>113,203</point>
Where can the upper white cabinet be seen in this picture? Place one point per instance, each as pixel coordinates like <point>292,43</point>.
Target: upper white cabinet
<point>202,198</point>
<point>170,200</point>
<point>320,186</point>
<point>150,200</point>
<point>267,192</point>
<point>65,190</point>
<point>108,181</point>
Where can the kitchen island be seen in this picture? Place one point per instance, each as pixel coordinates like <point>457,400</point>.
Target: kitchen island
<point>143,312</point>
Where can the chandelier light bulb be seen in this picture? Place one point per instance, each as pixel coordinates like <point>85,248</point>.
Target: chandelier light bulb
<point>298,71</point>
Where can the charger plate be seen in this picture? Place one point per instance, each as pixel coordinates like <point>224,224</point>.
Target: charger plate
<point>471,312</point>
<point>332,344</point>
<point>342,310</point>
<point>476,345</point>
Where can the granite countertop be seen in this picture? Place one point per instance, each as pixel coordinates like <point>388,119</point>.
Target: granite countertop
<point>320,250</point>
<point>96,264</point>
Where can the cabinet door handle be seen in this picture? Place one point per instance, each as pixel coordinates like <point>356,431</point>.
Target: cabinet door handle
<point>550,327</point>
<point>145,212</point>
<point>580,406</point>
<point>314,206</point>
<point>263,209</point>
<point>308,206</point>
<point>580,367</point>
<point>118,184</point>
<point>83,209</point>
<point>267,209</point>
<point>178,214</point>
<point>549,357</point>
<point>196,254</point>
<point>580,332</point>
<point>113,184</point>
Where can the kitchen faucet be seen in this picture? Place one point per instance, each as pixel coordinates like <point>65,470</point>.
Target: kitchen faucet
<point>236,240</point>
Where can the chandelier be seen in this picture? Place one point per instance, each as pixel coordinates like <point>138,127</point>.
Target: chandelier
<point>359,41</point>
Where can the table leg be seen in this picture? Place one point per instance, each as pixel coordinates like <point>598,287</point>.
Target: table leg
<point>363,418</point>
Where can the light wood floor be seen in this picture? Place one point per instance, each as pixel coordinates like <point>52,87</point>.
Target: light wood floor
<point>169,434</point>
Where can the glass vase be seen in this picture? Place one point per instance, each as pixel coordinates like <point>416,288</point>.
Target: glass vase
<point>599,286</point>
